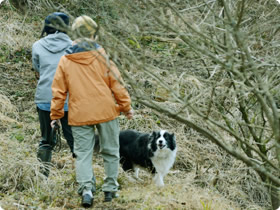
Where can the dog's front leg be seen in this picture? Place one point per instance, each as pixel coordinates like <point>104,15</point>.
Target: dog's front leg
<point>136,174</point>
<point>158,180</point>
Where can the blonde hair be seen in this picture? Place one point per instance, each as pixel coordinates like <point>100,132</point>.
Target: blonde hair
<point>84,26</point>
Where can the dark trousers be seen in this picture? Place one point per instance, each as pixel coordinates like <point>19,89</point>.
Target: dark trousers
<point>45,121</point>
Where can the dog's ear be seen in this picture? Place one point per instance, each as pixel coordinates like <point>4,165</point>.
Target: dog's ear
<point>173,141</point>
<point>153,135</point>
<point>152,141</point>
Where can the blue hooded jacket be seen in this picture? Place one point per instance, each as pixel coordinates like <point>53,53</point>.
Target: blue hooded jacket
<point>46,54</point>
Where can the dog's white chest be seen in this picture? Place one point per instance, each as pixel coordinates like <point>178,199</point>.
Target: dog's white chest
<point>163,159</point>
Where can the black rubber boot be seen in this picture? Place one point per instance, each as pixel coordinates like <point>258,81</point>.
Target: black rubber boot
<point>110,195</point>
<point>45,156</point>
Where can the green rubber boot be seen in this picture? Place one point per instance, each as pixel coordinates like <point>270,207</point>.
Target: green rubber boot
<point>45,156</point>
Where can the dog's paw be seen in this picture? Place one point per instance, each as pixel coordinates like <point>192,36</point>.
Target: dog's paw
<point>158,180</point>
<point>159,184</point>
<point>131,179</point>
<point>139,180</point>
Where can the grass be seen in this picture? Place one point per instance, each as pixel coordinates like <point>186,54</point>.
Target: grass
<point>203,177</point>
<point>23,187</point>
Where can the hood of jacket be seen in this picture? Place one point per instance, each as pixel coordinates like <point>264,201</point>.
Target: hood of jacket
<point>84,52</point>
<point>56,42</point>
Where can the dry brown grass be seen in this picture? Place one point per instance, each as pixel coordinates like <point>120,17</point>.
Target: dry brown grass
<point>6,109</point>
<point>23,187</point>
<point>203,177</point>
<point>18,24</point>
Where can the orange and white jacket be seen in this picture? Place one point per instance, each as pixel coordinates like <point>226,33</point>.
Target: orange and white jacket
<point>93,84</point>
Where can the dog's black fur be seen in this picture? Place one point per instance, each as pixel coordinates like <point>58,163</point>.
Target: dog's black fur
<point>133,150</point>
<point>155,152</point>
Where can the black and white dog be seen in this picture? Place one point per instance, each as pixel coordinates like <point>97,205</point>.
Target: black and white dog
<point>155,151</point>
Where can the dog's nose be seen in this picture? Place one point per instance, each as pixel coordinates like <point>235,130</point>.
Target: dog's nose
<point>160,141</point>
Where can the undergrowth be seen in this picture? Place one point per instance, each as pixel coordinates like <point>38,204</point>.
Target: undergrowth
<point>203,177</point>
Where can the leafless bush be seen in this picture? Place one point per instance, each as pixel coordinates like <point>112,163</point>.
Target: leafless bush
<point>219,45</point>
<point>209,70</point>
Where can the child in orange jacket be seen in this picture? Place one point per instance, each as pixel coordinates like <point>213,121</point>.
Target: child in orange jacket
<point>96,98</point>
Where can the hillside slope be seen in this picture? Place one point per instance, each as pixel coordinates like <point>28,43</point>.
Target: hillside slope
<point>203,177</point>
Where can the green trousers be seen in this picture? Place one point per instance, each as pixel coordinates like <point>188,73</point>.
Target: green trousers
<point>109,148</point>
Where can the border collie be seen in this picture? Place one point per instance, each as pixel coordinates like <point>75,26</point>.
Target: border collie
<point>155,152</point>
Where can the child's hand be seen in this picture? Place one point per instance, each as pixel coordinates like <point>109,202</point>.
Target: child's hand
<point>129,114</point>
<point>53,122</point>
